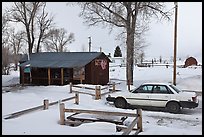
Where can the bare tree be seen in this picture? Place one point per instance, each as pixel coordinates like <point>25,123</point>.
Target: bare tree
<point>30,14</point>
<point>45,24</point>
<point>141,56</point>
<point>5,29</point>
<point>57,40</point>
<point>5,47</point>
<point>123,15</point>
<point>139,53</point>
<point>5,60</point>
<point>16,43</point>
<point>160,59</point>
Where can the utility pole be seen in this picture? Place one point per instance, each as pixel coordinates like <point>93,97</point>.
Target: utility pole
<point>175,41</point>
<point>89,44</point>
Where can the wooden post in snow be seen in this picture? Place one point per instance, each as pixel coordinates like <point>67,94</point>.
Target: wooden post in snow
<point>45,104</point>
<point>62,115</point>
<point>113,87</point>
<point>139,122</point>
<point>98,92</point>
<point>70,86</point>
<point>77,98</point>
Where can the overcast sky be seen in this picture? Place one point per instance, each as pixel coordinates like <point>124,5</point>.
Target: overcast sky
<point>160,36</point>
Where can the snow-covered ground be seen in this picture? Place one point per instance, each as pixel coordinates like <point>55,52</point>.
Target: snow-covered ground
<point>46,122</point>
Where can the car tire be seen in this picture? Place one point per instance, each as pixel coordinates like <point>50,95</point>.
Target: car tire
<point>173,107</point>
<point>120,103</point>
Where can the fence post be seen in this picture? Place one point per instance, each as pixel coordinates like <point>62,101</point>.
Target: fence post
<point>77,98</point>
<point>98,92</point>
<point>139,122</point>
<point>59,102</point>
<point>62,115</point>
<point>113,87</point>
<point>45,104</point>
<point>70,85</point>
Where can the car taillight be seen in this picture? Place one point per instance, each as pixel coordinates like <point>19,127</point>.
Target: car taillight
<point>194,99</point>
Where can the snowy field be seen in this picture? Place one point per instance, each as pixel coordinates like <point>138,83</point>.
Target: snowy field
<point>46,122</point>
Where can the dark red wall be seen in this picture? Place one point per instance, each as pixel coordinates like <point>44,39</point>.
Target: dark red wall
<point>97,71</point>
<point>190,61</point>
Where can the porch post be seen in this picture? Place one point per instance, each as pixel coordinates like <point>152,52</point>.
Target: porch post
<point>22,73</point>
<point>48,76</point>
<point>62,76</point>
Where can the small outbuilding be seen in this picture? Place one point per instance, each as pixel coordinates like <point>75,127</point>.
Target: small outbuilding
<point>190,61</point>
<point>61,68</point>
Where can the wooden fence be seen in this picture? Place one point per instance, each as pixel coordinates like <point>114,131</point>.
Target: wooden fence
<point>127,130</point>
<point>97,89</point>
<point>45,106</point>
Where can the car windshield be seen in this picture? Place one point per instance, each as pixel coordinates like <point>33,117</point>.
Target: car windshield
<point>175,88</point>
<point>132,90</point>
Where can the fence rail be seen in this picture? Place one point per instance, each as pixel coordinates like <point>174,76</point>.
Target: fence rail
<point>45,105</point>
<point>137,120</point>
<point>111,88</point>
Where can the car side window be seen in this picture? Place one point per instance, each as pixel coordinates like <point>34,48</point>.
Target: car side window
<point>144,89</point>
<point>160,89</point>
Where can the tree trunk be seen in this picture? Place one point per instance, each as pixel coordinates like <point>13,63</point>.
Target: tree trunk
<point>38,43</point>
<point>130,27</point>
<point>130,53</point>
<point>30,47</point>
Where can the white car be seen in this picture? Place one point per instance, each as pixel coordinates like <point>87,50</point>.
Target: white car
<point>156,95</point>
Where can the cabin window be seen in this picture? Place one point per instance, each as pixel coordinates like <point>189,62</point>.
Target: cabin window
<point>79,73</point>
<point>55,73</point>
<point>27,70</point>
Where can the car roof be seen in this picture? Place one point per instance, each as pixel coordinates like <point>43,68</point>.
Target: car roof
<point>156,83</point>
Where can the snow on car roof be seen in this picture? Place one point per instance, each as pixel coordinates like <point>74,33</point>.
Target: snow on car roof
<point>156,83</point>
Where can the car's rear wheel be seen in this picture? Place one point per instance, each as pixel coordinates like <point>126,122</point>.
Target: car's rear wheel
<point>120,103</point>
<point>173,107</point>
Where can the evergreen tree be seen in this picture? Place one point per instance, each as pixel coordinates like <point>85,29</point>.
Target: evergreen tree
<point>117,52</point>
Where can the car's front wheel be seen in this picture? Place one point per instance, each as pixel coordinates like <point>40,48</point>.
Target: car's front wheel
<point>173,107</point>
<point>120,103</point>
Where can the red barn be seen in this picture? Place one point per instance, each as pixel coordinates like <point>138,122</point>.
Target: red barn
<point>60,68</point>
<point>190,61</point>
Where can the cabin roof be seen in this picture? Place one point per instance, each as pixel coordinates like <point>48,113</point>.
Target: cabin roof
<point>60,59</point>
